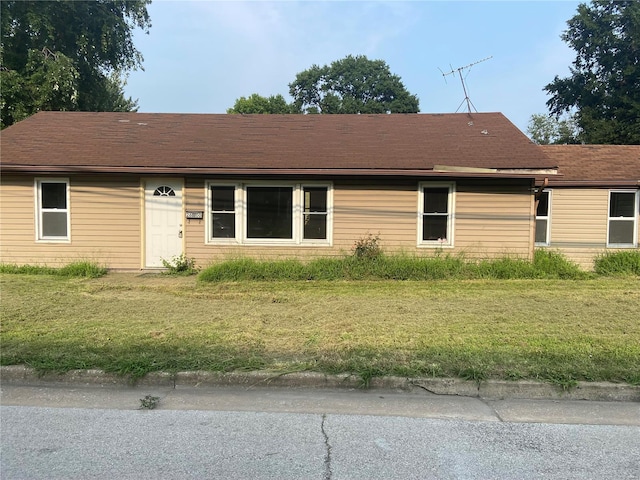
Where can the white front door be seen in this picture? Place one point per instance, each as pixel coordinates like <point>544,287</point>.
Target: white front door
<point>163,225</point>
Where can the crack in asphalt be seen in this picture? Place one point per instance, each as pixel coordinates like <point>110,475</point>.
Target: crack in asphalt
<point>327,457</point>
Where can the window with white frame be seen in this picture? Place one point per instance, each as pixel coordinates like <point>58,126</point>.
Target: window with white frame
<point>436,214</point>
<point>269,213</point>
<point>315,212</point>
<point>52,210</point>
<point>543,217</point>
<point>223,211</point>
<point>622,229</point>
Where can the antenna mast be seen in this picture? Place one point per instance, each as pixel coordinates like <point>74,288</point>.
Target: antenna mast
<point>464,87</point>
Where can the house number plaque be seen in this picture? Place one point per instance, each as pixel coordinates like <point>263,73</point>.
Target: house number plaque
<point>194,215</point>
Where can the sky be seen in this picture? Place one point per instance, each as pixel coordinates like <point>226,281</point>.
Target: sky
<point>200,56</point>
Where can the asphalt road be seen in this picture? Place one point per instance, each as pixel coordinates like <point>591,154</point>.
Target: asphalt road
<point>233,433</point>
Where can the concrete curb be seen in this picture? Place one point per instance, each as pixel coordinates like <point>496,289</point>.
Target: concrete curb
<point>489,389</point>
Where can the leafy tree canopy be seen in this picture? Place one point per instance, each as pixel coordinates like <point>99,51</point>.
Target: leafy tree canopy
<point>354,84</point>
<point>546,130</point>
<point>67,55</point>
<point>259,104</point>
<point>604,86</point>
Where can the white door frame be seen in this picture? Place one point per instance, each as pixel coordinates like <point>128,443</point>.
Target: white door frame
<point>163,220</point>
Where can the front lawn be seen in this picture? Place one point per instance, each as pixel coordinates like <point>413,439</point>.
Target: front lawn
<point>553,330</point>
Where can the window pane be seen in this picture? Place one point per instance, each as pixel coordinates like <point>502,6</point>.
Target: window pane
<point>164,191</point>
<point>543,205</point>
<point>224,225</point>
<point>315,226</point>
<point>54,195</point>
<point>541,231</point>
<point>315,199</point>
<point>54,224</point>
<point>622,204</point>
<point>223,199</point>
<point>436,200</point>
<point>621,232</point>
<point>434,227</point>
<point>270,212</point>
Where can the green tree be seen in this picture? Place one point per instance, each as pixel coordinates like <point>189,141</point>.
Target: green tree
<point>354,84</point>
<point>546,130</point>
<point>67,55</point>
<point>604,85</point>
<point>259,104</point>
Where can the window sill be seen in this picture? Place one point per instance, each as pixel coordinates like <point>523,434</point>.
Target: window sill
<point>262,243</point>
<point>53,240</point>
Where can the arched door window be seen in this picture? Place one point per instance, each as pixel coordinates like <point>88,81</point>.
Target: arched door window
<point>164,191</point>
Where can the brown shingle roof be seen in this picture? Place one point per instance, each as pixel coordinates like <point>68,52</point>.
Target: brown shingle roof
<point>606,165</point>
<point>149,142</point>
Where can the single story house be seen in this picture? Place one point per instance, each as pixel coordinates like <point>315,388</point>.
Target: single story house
<point>128,190</point>
<point>593,206</point>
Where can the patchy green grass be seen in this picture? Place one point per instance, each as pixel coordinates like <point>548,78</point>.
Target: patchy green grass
<point>554,330</point>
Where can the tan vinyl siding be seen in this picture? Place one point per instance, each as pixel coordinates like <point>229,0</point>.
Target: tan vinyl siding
<point>579,216</point>
<point>579,219</point>
<point>492,220</point>
<point>105,222</point>
<point>388,211</point>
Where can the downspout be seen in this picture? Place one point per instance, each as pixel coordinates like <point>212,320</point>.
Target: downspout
<point>545,184</point>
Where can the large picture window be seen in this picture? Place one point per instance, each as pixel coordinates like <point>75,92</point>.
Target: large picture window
<point>436,214</point>
<point>52,205</point>
<point>267,213</point>
<point>543,218</point>
<point>622,221</point>
<point>270,212</point>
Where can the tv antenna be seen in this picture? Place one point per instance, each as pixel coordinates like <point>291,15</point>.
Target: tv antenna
<point>464,87</point>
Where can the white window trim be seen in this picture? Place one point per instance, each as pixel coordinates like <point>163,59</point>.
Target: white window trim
<point>240,195</point>
<point>238,199</point>
<point>633,219</point>
<point>547,241</point>
<point>451,214</point>
<point>316,241</point>
<point>39,210</point>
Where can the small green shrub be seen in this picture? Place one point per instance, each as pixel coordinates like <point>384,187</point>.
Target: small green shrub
<point>180,265</point>
<point>626,262</point>
<point>367,247</point>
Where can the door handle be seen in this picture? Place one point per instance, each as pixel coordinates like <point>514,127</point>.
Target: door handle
<point>180,234</point>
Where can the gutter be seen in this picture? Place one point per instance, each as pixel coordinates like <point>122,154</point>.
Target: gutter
<point>594,183</point>
<point>187,171</point>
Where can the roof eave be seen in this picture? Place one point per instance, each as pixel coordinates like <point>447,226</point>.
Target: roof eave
<point>182,171</point>
<point>604,183</point>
